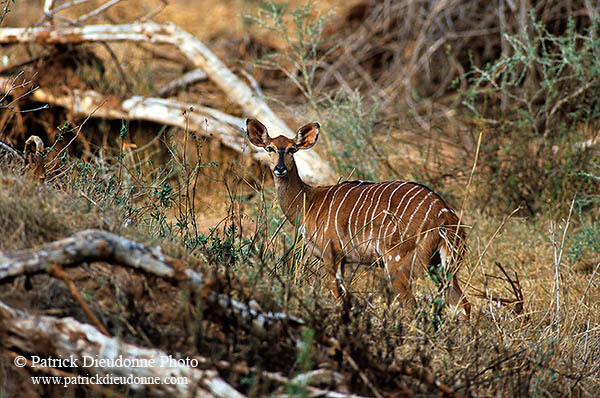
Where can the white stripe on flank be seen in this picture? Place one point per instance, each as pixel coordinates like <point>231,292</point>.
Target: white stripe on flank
<point>444,210</point>
<point>386,214</point>
<point>407,204</point>
<point>396,220</point>
<point>363,190</point>
<point>318,223</point>
<point>358,213</point>
<point>393,218</point>
<point>415,212</point>
<point>427,215</point>
<point>380,212</point>
<point>337,212</point>
<point>385,185</point>
<point>339,186</point>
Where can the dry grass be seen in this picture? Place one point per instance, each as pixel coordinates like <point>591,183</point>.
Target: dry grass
<point>543,349</point>
<point>549,347</point>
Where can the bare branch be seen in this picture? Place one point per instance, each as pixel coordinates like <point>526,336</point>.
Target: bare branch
<point>206,121</point>
<point>8,148</point>
<point>95,245</point>
<point>311,165</point>
<point>98,10</point>
<point>68,338</point>
<point>59,273</point>
<point>186,79</point>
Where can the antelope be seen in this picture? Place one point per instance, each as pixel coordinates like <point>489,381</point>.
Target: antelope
<point>401,225</point>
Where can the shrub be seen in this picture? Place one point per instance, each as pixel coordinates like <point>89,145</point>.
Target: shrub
<point>538,106</point>
<point>348,119</point>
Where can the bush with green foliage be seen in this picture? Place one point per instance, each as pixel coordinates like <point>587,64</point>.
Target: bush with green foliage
<point>348,119</point>
<point>537,106</point>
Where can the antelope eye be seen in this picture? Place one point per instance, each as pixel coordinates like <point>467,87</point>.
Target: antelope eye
<point>292,150</point>
<point>269,149</point>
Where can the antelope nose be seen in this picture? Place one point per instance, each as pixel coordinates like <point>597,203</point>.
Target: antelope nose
<point>280,171</point>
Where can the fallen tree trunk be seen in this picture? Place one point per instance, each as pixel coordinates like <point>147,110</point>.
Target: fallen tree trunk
<point>311,166</point>
<point>207,121</point>
<point>95,245</point>
<point>97,358</point>
<point>81,345</point>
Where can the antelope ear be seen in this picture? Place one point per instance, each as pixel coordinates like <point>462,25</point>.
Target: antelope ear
<point>257,133</point>
<point>307,135</point>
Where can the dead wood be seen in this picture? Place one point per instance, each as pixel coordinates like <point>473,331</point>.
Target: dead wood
<point>413,373</point>
<point>204,120</point>
<point>59,273</point>
<point>311,391</point>
<point>312,166</point>
<point>9,149</point>
<point>57,372</point>
<point>67,338</point>
<point>34,158</point>
<point>357,369</point>
<point>185,79</point>
<point>312,381</point>
<point>516,290</point>
<point>95,245</point>
<point>164,111</point>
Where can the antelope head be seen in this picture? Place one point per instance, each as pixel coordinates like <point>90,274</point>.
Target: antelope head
<point>281,149</point>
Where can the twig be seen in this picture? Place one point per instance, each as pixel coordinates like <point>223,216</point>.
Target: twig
<point>57,272</point>
<point>422,376</point>
<point>98,10</point>
<point>25,62</point>
<point>313,391</point>
<point>468,189</point>
<point>560,103</point>
<point>496,232</point>
<point>312,166</point>
<point>557,260</point>
<point>307,380</point>
<point>8,85</point>
<point>115,60</point>
<point>49,14</point>
<point>184,80</point>
<point>57,157</point>
<point>205,120</point>
<point>426,378</point>
<point>89,199</point>
<point>6,147</point>
<point>151,14</point>
<point>95,245</point>
<point>67,337</point>
<point>515,286</point>
<point>336,344</point>
<point>48,6</point>
<point>252,82</point>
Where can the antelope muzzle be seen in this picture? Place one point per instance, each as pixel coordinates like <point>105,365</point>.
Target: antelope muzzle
<point>280,169</point>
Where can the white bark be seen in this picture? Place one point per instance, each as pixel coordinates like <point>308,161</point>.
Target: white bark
<point>50,337</point>
<point>95,245</point>
<point>310,165</point>
<point>229,129</point>
<point>185,79</point>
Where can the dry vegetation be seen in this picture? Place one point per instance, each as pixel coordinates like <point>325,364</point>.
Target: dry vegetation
<point>493,104</point>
